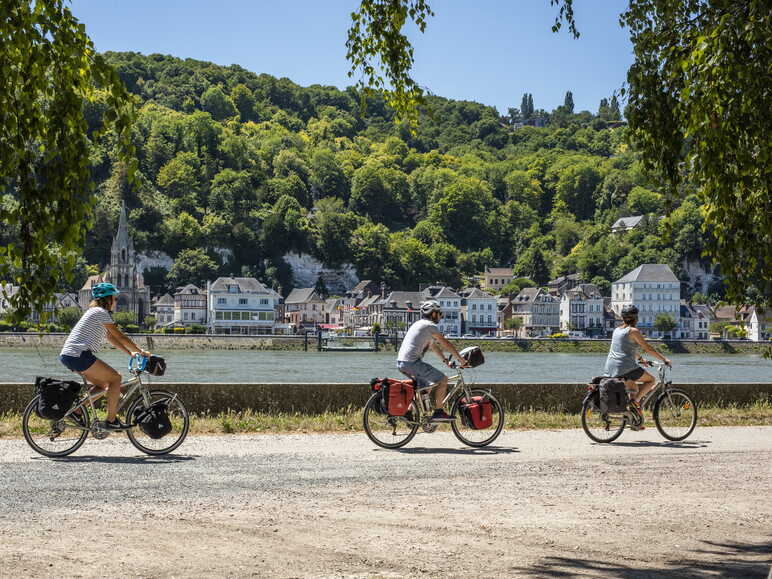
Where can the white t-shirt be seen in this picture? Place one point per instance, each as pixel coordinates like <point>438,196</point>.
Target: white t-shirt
<point>89,333</point>
<point>417,340</point>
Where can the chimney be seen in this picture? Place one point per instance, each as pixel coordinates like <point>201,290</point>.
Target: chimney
<point>383,289</point>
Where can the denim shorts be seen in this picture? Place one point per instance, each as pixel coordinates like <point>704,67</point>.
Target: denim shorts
<point>424,374</point>
<point>78,363</point>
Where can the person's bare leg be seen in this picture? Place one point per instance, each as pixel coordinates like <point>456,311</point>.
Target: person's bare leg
<point>646,382</point>
<point>440,390</point>
<point>100,374</point>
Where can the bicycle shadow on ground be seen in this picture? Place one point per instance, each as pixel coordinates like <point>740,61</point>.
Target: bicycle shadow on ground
<point>468,451</point>
<point>166,459</point>
<point>730,559</point>
<point>663,444</point>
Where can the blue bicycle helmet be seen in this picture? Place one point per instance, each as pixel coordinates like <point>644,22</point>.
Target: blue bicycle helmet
<point>104,289</point>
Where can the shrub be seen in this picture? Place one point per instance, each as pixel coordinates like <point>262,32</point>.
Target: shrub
<point>197,329</point>
<point>5,327</point>
<point>559,335</point>
<point>179,330</point>
<point>132,328</point>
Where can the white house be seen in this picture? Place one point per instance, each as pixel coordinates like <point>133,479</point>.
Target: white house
<point>581,308</point>
<point>190,306</point>
<point>654,289</point>
<point>538,310</point>
<point>163,309</point>
<point>241,305</point>
<point>450,303</point>
<point>479,312</point>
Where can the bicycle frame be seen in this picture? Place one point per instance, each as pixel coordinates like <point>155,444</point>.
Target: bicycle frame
<point>660,384</point>
<point>455,385</point>
<point>128,389</point>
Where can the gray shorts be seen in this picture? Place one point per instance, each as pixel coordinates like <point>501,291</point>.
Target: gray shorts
<point>425,374</point>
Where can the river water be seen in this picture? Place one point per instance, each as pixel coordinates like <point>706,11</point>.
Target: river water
<point>21,365</point>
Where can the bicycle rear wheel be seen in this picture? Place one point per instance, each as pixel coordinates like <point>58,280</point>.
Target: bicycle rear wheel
<point>178,415</point>
<point>54,438</point>
<point>675,414</point>
<point>601,427</point>
<point>478,437</point>
<point>388,431</point>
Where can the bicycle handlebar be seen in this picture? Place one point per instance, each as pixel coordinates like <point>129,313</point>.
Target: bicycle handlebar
<point>140,360</point>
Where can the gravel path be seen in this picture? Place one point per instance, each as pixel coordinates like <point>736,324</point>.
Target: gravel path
<point>539,503</point>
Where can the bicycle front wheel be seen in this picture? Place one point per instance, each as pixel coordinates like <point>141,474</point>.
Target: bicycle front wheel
<point>388,431</point>
<point>54,438</point>
<point>483,436</point>
<point>601,427</point>
<point>178,416</point>
<point>675,414</point>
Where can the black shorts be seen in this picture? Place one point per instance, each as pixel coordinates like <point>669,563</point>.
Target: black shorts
<point>633,374</point>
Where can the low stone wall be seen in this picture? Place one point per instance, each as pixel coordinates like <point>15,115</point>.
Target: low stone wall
<point>166,342</point>
<point>316,398</point>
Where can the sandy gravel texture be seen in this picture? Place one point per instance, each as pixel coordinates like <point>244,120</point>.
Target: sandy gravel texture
<point>540,503</point>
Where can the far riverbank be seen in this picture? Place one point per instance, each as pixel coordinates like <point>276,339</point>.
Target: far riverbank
<point>299,343</point>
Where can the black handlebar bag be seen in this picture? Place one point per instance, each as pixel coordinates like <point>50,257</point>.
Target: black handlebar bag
<point>155,366</point>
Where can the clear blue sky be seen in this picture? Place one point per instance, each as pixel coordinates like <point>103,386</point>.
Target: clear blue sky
<point>490,51</point>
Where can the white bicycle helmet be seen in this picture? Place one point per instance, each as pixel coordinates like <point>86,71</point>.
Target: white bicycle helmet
<point>429,307</point>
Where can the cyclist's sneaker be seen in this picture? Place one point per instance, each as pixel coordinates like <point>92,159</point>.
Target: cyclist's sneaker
<point>441,416</point>
<point>116,425</point>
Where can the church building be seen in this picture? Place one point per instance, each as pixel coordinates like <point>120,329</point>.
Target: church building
<point>122,273</point>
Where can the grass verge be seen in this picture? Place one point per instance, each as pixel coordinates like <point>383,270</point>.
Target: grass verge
<point>249,422</point>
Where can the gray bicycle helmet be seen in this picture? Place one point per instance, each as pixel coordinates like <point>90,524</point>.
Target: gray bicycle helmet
<point>428,307</point>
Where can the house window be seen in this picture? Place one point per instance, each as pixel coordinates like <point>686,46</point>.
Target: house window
<point>222,301</point>
<point>185,316</point>
<point>218,316</point>
<point>243,301</point>
<point>474,306</point>
<point>263,301</point>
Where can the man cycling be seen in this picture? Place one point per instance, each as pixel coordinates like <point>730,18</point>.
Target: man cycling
<point>622,356</point>
<point>421,336</point>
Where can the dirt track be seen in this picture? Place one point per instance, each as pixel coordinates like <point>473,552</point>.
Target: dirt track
<point>539,503</point>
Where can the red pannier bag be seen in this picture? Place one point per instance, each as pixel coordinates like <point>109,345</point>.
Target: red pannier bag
<point>478,413</point>
<point>399,396</point>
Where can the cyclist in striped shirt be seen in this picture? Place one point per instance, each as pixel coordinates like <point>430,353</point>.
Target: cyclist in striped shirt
<point>87,336</point>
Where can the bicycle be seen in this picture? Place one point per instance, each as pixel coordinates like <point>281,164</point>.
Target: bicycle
<point>50,437</point>
<point>674,412</point>
<point>403,428</point>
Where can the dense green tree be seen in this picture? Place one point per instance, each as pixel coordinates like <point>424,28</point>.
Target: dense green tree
<point>462,211</point>
<point>532,264</point>
<point>370,251</point>
<point>568,102</point>
<point>218,104</point>
<point>327,177</point>
<point>664,323</point>
<point>181,232</point>
<point>232,195</point>
<point>379,193</point>
<point>641,201</point>
<point>244,101</point>
<point>333,228</point>
<point>192,266</point>
<point>48,69</point>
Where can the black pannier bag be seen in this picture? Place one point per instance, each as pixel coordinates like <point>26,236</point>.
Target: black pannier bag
<point>612,395</point>
<point>154,421</point>
<point>473,355</point>
<point>55,397</point>
<point>155,366</point>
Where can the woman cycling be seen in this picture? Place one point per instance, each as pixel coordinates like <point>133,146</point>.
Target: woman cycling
<point>87,336</point>
<point>623,358</point>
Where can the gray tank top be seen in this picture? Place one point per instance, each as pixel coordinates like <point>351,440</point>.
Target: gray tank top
<point>623,353</point>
